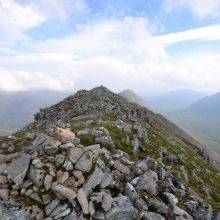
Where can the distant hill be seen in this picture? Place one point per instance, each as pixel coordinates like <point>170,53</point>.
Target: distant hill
<point>175,100</point>
<point>133,97</point>
<point>202,120</point>
<point>17,108</point>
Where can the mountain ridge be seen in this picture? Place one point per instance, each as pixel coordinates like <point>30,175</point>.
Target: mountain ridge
<point>113,158</point>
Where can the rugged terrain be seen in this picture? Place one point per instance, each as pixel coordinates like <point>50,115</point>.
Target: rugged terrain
<point>95,155</point>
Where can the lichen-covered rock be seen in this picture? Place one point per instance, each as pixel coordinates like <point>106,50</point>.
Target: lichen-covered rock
<point>93,180</point>
<point>122,209</point>
<point>17,170</point>
<point>36,176</point>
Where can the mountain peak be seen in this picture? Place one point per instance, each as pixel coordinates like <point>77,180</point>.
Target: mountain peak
<point>131,96</point>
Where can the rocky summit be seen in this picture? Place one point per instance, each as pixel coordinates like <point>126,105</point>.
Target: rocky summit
<point>95,155</point>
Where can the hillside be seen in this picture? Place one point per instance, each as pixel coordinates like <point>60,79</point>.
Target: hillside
<point>175,100</point>
<point>95,154</point>
<point>202,120</point>
<point>17,108</point>
<point>133,97</point>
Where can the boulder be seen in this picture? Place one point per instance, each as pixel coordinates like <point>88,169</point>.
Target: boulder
<point>64,135</point>
<point>17,170</point>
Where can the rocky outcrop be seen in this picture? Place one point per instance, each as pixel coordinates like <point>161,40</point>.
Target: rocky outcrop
<point>119,165</point>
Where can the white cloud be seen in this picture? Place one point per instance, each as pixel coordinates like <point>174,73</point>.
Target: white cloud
<point>15,20</point>
<point>199,8</point>
<point>207,33</point>
<point>119,54</point>
<point>60,10</point>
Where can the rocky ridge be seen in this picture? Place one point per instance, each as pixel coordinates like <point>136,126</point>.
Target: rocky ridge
<point>97,156</point>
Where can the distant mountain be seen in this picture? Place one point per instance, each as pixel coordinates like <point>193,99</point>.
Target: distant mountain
<point>209,106</point>
<point>175,100</point>
<point>202,120</point>
<point>17,108</point>
<point>133,97</point>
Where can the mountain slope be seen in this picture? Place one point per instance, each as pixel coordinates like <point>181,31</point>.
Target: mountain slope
<point>125,162</point>
<point>202,119</point>
<point>175,100</point>
<point>17,108</point>
<point>133,97</point>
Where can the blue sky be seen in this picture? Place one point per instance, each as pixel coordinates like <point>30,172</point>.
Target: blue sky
<point>150,46</point>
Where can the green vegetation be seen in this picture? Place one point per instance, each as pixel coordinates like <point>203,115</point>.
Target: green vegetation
<point>86,140</point>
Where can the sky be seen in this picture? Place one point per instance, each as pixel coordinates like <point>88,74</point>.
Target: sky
<point>150,46</point>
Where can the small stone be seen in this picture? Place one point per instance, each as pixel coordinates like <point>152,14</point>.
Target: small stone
<point>77,174</point>
<point>51,206</point>
<point>63,214</point>
<point>82,199</point>
<point>106,202</point>
<point>91,208</point>
<point>172,199</point>
<point>84,164</point>
<point>3,179</point>
<point>23,191</point>
<point>65,191</point>
<point>4,194</point>
<point>48,182</point>
<point>59,209</point>
<point>46,198</point>
<point>122,168</point>
<point>106,180</point>
<point>62,176</point>
<point>74,154</point>
<point>81,180</point>
<point>60,159</point>
<point>36,176</point>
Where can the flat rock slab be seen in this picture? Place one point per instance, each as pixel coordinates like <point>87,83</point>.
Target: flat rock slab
<point>17,170</point>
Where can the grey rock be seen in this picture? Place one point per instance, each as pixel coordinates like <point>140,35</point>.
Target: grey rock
<point>42,140</point>
<point>93,180</point>
<point>63,214</point>
<point>17,170</point>
<point>139,168</point>
<point>13,214</point>
<point>157,206</point>
<point>123,210</point>
<point>60,159</point>
<point>148,182</point>
<point>74,154</point>
<point>152,216</point>
<point>84,164</point>
<point>82,199</point>
<point>48,182</point>
<point>36,176</point>
<point>106,180</point>
<point>51,206</point>
<point>74,216</point>
<point>180,213</point>
<point>171,199</point>
<point>107,201</point>
<point>59,209</point>
<point>99,216</point>
<point>91,208</point>
<point>130,192</point>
